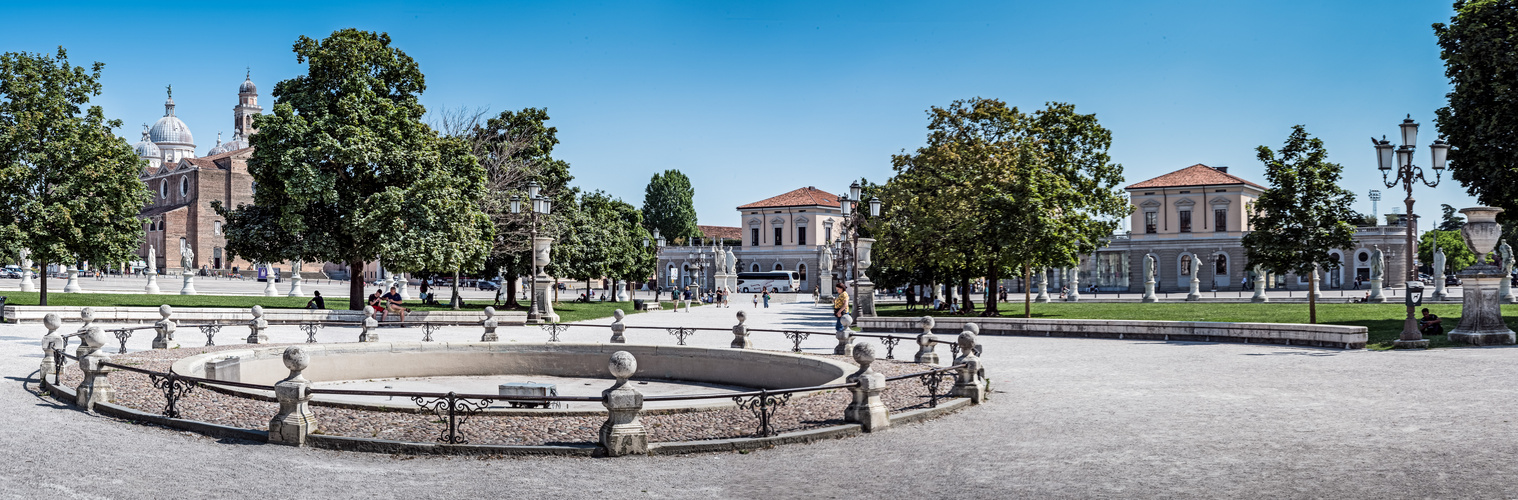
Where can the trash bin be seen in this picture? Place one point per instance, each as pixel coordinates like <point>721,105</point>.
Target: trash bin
<point>637,304</point>
<point>1414,295</point>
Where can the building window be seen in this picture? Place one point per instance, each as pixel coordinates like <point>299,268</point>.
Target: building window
<point>779,235</point>
<point>801,269</point>
<point>778,267</point>
<point>163,190</point>
<point>827,232</point>
<point>753,236</point>
<point>1220,268</point>
<point>184,186</point>
<point>1220,220</point>
<point>801,236</point>
<point>755,267</point>
<point>1151,222</point>
<point>216,228</point>
<point>1185,221</point>
<point>1185,265</point>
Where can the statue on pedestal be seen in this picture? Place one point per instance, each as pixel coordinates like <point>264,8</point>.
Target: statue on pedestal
<point>187,263</point>
<point>1194,294</point>
<point>1505,287</point>
<point>1377,274</point>
<point>1149,269</point>
<point>1439,292</point>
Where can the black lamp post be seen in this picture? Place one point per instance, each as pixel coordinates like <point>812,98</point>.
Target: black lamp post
<point>1400,160</point>
<point>541,205</point>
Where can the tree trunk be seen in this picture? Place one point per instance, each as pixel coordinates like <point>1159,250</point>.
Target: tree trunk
<point>964,293</point>
<point>42,292</point>
<point>355,285</point>
<point>992,276</point>
<point>456,302</point>
<point>1312,298</point>
<point>511,291</point>
<point>1027,291</point>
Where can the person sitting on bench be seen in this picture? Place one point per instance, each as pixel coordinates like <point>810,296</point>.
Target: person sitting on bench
<point>392,302</point>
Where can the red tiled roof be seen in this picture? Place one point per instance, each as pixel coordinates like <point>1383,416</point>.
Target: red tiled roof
<point>1195,175</point>
<point>804,197</point>
<point>723,232</point>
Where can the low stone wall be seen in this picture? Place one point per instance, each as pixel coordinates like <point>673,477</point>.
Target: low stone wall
<point>1343,337</point>
<point>192,315</point>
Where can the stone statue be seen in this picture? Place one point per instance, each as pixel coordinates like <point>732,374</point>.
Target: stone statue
<point>1377,263</point>
<point>187,258</point>
<point>1196,268</point>
<point>732,262</point>
<point>1439,260</point>
<point>826,260</point>
<point>152,260</point>
<point>1505,253</point>
<point>1149,265</point>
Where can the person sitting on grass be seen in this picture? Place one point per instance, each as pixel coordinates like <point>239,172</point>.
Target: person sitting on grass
<point>316,302</point>
<point>393,305</point>
<point>1430,324</point>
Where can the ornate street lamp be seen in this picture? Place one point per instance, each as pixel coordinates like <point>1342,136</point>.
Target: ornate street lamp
<point>1400,160</point>
<point>539,205</point>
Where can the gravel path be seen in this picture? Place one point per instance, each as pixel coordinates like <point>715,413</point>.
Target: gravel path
<point>1071,418</point>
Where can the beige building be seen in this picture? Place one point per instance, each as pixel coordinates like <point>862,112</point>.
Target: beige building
<point>780,233</point>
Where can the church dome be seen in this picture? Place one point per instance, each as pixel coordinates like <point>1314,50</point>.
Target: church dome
<point>170,128</point>
<point>146,148</point>
<point>247,86</point>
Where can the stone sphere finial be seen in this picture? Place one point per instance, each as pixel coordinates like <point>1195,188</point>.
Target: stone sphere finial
<point>846,320</point>
<point>966,342</point>
<point>52,322</point>
<point>367,311</point>
<point>87,314</point>
<point>742,317</point>
<point>258,311</point>
<point>622,365</point>
<point>618,314</point>
<point>489,312</point>
<point>864,354</point>
<point>926,323</point>
<point>165,311</point>
<point>972,328</point>
<point>297,359</point>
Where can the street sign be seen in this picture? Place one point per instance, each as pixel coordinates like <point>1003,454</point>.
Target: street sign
<point>1414,293</point>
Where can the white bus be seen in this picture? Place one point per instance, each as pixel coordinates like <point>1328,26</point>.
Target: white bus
<point>782,281</point>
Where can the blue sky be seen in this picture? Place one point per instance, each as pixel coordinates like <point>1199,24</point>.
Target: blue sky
<point>752,99</point>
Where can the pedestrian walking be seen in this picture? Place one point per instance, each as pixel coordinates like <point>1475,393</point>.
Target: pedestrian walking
<point>685,296</point>
<point>766,298</point>
<point>840,306</point>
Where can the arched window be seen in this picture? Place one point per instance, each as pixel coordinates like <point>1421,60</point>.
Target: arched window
<point>216,227</point>
<point>801,269</point>
<point>1221,267</point>
<point>184,186</point>
<point>163,189</point>
<point>755,267</point>
<point>779,267</point>
<point>253,188</point>
<point>1186,265</point>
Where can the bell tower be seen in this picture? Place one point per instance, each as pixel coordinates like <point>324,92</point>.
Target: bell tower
<point>247,107</point>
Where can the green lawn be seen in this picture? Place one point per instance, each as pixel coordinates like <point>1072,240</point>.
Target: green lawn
<point>1382,321</point>
<point>567,311</point>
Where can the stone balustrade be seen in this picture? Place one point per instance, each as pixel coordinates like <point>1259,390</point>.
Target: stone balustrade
<point>1336,336</point>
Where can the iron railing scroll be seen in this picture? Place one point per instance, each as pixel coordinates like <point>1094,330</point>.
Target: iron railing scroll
<point>456,409</point>
<point>681,333</point>
<point>763,405</point>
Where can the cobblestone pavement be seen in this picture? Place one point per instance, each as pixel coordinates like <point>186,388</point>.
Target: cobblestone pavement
<point>1069,418</point>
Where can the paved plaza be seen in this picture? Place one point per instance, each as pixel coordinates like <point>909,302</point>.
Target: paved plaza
<point>1068,418</point>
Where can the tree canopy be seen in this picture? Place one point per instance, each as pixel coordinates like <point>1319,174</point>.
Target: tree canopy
<point>347,171</point>
<point>69,188</point>
<point>997,190</point>
<point>1303,215</point>
<point>1481,120</point>
<point>669,206</point>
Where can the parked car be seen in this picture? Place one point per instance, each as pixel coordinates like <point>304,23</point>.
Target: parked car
<point>10,274</point>
<point>1452,281</point>
<point>488,285</point>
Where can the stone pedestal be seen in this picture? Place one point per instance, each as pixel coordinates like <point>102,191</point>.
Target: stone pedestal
<point>622,433</point>
<point>72,285</point>
<point>866,408</point>
<point>295,420</point>
<point>256,327</point>
<point>866,292</point>
<point>1317,285</point>
<point>295,290</point>
<point>825,286</point>
<point>490,324</point>
<point>622,295</point>
<point>1480,311</point>
<point>370,330</point>
<point>970,381</point>
<point>189,285</point>
<point>925,342</point>
<point>403,287</point>
<point>1149,292</point>
<point>270,276</point>
<point>1075,286</point>
<point>1505,291</point>
<point>1041,284</point>
<point>1375,292</point>
<point>26,281</point>
<point>1194,293</point>
<point>845,337</point>
<point>152,286</point>
<point>740,334</point>
<point>618,328</point>
<point>164,328</point>
<point>96,386</point>
<point>50,342</point>
<point>1440,294</point>
<point>543,301</point>
<point>1259,287</point>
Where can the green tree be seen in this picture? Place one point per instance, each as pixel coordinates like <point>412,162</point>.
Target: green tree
<point>347,172</point>
<point>68,187</point>
<point>1450,221</point>
<point>1303,215</point>
<point>1457,256</point>
<point>1481,120</point>
<point>669,206</point>
<point>997,191</point>
<point>608,241</point>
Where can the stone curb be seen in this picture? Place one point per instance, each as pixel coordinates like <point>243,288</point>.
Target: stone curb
<point>1330,336</point>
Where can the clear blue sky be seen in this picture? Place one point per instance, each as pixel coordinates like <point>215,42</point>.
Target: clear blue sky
<point>752,99</point>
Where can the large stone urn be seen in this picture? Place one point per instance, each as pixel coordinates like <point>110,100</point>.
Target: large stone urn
<point>542,247</point>
<point>1480,312</point>
<point>863,286</point>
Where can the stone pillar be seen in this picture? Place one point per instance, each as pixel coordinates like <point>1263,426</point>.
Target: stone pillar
<point>621,295</point>
<point>623,434</point>
<point>295,279</point>
<point>543,300</point>
<point>189,284</point>
<point>152,286</point>
<point>256,327</point>
<point>1481,309</point>
<point>96,386</point>
<point>269,276</point>
<point>1375,290</point>
<point>50,343</point>
<point>1149,290</point>
<point>925,342</point>
<point>1075,285</point>
<point>91,337</point>
<point>1259,286</point>
<point>165,328</point>
<point>740,333</point>
<point>490,324</point>
<point>72,286</point>
<point>370,329</point>
<point>403,287</point>
<point>867,409</point>
<point>970,381</point>
<point>295,420</point>
<point>1041,281</point>
<point>845,336</point>
<point>618,328</point>
<point>1440,293</point>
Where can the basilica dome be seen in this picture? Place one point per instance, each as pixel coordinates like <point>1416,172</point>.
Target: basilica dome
<point>170,128</point>
<point>146,148</point>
